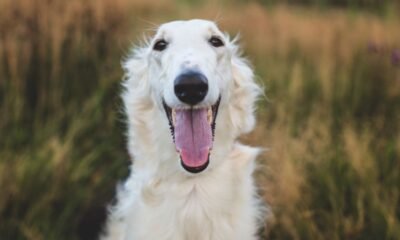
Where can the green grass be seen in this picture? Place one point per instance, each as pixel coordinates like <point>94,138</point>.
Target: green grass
<point>331,119</point>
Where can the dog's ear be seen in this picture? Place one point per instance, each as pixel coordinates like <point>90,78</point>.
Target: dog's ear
<point>137,99</point>
<point>136,82</point>
<point>244,94</point>
<point>136,71</point>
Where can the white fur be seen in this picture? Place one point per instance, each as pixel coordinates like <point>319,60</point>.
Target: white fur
<point>160,200</point>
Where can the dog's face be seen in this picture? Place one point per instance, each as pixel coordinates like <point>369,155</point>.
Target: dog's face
<point>190,61</point>
<point>190,67</point>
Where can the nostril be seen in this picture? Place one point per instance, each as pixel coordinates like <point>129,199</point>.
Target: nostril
<point>191,87</point>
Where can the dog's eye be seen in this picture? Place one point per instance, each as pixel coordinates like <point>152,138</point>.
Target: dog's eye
<point>160,45</point>
<point>216,41</point>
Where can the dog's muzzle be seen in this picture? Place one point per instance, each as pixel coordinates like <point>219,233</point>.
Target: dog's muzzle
<point>193,130</point>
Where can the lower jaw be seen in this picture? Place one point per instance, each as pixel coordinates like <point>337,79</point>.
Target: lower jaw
<point>196,169</point>
<point>170,116</point>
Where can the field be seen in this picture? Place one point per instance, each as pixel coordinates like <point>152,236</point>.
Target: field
<point>329,120</point>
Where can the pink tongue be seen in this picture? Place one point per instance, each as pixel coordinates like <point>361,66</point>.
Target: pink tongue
<point>193,136</point>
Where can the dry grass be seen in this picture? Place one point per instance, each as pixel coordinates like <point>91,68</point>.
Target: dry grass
<point>330,123</point>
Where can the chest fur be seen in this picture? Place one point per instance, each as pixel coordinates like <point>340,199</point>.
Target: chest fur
<point>188,210</point>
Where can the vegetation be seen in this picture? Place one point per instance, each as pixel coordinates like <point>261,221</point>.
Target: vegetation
<point>330,119</point>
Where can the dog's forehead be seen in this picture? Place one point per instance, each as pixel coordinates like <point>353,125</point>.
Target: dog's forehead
<point>187,28</point>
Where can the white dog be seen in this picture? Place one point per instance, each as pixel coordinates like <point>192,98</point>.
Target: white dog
<point>188,96</point>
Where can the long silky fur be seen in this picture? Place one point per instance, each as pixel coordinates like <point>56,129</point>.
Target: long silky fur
<point>159,200</point>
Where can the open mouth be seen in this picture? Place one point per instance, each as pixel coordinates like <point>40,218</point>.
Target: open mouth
<point>192,131</point>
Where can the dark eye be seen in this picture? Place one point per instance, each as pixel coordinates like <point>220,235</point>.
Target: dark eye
<point>216,41</point>
<point>160,45</point>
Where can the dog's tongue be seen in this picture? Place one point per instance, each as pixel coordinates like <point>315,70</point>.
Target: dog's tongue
<point>193,136</point>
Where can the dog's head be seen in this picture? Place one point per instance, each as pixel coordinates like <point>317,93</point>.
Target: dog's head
<point>192,73</point>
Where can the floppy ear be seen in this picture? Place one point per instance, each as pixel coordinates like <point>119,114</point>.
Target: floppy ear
<point>137,100</point>
<point>244,94</point>
<point>136,73</point>
<point>136,94</point>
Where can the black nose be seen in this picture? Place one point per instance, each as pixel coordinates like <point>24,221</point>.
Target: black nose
<point>191,87</point>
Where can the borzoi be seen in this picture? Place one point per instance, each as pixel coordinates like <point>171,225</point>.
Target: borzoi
<point>188,95</point>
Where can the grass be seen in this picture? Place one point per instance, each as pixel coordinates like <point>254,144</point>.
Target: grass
<point>331,120</point>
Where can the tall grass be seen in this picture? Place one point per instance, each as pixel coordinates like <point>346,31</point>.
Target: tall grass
<point>59,68</point>
<point>330,121</point>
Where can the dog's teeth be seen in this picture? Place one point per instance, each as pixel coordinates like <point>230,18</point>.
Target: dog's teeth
<point>173,117</point>
<point>209,115</point>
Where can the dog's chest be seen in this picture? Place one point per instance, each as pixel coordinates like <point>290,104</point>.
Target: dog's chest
<point>195,214</point>
<point>194,211</point>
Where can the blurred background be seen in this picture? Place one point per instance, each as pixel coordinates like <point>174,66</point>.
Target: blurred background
<point>330,118</point>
